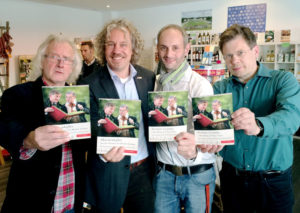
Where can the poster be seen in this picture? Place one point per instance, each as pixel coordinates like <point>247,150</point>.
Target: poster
<point>197,20</point>
<point>252,16</point>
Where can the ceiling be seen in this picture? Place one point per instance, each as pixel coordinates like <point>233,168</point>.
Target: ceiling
<point>115,5</point>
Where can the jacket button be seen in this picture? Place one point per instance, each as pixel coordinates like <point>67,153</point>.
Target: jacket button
<point>52,192</point>
<point>126,166</point>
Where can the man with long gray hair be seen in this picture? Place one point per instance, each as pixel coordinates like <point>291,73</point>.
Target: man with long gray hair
<point>47,172</point>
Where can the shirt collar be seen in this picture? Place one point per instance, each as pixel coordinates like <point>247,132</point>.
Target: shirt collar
<point>262,71</point>
<point>90,62</point>
<point>114,76</point>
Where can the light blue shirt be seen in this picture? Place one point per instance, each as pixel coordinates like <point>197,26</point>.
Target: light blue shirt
<point>128,91</point>
<point>274,97</point>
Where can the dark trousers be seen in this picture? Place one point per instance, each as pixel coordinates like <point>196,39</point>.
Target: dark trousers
<point>257,192</point>
<point>140,194</point>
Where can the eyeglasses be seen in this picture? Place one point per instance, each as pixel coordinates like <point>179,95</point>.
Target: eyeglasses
<point>240,54</point>
<point>56,59</point>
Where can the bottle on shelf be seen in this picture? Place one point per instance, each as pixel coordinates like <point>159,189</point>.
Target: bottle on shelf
<point>272,56</point>
<point>197,55</point>
<point>280,56</point>
<point>194,55</point>
<point>286,57</point>
<point>207,39</point>
<point>292,56</point>
<point>268,58</point>
<point>189,38</point>
<point>200,54</point>
<point>199,39</point>
<point>203,38</point>
<point>189,56</point>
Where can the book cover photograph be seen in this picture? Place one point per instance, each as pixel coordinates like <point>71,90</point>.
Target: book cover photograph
<point>69,108</point>
<point>211,117</point>
<point>118,125</point>
<point>167,114</point>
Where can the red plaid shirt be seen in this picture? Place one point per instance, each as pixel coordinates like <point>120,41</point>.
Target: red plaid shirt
<point>65,192</point>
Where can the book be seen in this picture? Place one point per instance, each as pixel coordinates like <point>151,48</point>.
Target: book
<point>111,126</point>
<point>205,121</point>
<point>58,114</point>
<point>160,117</point>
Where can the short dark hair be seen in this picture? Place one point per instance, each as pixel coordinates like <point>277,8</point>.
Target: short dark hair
<point>158,96</point>
<point>88,43</point>
<point>202,102</point>
<point>237,30</point>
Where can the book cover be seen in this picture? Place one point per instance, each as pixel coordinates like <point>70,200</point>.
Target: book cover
<point>167,114</point>
<point>212,116</point>
<point>205,121</point>
<point>58,114</point>
<point>110,126</point>
<point>69,108</point>
<point>118,125</point>
<point>160,117</point>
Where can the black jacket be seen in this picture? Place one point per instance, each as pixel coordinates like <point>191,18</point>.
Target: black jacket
<point>107,183</point>
<point>32,183</point>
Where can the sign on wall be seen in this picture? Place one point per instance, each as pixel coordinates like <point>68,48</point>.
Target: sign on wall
<point>197,20</point>
<point>252,16</point>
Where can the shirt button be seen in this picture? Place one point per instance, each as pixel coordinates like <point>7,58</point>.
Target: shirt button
<point>248,166</point>
<point>246,102</point>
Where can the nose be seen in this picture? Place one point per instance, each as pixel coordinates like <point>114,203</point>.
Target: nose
<point>60,62</point>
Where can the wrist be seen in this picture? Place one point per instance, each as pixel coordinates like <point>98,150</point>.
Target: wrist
<point>261,128</point>
<point>195,156</point>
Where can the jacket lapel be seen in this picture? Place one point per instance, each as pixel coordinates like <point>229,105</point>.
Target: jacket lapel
<point>108,85</point>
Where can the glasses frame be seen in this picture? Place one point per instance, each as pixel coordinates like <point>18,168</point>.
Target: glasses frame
<point>57,59</point>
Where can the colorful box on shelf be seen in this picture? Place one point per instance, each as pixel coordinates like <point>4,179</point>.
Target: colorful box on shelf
<point>212,73</point>
<point>217,69</point>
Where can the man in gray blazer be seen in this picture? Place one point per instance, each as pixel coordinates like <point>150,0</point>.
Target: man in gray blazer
<point>114,180</point>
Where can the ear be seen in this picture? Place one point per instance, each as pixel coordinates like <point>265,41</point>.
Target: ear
<point>256,51</point>
<point>187,49</point>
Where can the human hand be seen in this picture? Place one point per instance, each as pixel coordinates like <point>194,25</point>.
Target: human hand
<point>131,121</point>
<point>152,112</point>
<point>46,137</point>
<point>197,117</point>
<point>116,154</point>
<point>102,121</point>
<point>210,148</point>
<point>224,114</point>
<point>179,110</point>
<point>244,119</point>
<point>80,106</point>
<point>49,109</point>
<point>186,145</point>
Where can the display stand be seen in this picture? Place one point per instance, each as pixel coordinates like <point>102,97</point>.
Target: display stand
<point>5,51</point>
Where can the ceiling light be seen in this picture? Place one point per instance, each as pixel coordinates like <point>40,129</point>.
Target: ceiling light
<point>108,6</point>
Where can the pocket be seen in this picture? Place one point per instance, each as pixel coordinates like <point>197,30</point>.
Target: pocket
<point>205,177</point>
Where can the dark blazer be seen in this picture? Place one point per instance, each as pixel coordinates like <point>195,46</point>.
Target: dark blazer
<point>87,70</point>
<point>85,109</point>
<point>184,113</point>
<point>107,183</point>
<point>32,183</point>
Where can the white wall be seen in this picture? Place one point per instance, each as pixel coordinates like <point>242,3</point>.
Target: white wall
<point>31,23</point>
<point>280,15</point>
